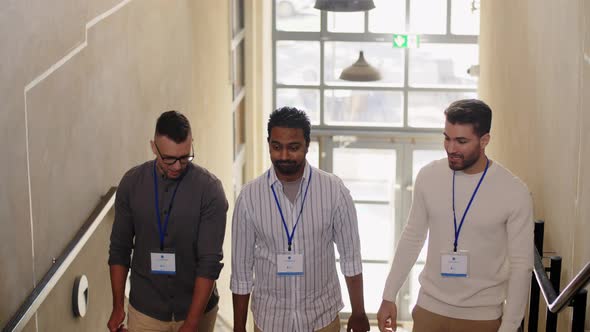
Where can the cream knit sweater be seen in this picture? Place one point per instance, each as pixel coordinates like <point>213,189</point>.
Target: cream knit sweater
<point>497,232</point>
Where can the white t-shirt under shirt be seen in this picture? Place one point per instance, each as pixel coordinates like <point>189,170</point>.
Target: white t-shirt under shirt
<point>291,189</point>
<point>497,233</point>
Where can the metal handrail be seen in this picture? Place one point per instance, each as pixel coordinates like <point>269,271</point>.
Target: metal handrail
<point>50,279</point>
<point>555,303</point>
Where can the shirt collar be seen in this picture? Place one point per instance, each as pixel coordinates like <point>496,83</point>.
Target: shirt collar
<point>272,178</point>
<point>165,179</point>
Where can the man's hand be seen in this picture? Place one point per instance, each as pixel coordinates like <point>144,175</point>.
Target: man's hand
<point>188,326</point>
<point>118,277</point>
<point>240,303</point>
<point>115,323</point>
<point>387,316</point>
<point>358,322</point>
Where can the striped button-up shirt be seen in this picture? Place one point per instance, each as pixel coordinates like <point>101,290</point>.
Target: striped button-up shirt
<point>305,302</point>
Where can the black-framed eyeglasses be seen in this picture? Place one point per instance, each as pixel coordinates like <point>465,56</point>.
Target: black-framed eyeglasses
<point>183,160</point>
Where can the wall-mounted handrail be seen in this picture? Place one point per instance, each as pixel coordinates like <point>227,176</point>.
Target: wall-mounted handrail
<point>50,279</point>
<point>555,303</point>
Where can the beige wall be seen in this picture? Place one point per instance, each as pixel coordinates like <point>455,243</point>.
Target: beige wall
<point>212,97</point>
<point>55,313</point>
<point>535,73</point>
<point>259,84</point>
<point>92,96</point>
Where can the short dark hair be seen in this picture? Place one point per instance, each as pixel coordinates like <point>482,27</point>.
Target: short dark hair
<point>173,125</point>
<point>471,111</point>
<point>290,117</point>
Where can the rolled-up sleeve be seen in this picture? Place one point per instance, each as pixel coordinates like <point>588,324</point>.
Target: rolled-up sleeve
<point>211,232</point>
<point>346,235</point>
<point>123,230</point>
<point>243,242</point>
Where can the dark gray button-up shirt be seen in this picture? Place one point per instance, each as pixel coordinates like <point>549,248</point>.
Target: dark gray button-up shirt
<point>195,232</point>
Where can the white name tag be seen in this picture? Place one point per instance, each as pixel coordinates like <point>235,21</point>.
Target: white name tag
<point>454,264</point>
<point>163,262</point>
<point>289,264</point>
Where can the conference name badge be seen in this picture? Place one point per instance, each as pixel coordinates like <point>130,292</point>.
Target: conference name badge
<point>454,264</point>
<point>289,264</point>
<point>163,262</point>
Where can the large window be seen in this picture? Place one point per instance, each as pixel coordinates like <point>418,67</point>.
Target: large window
<point>376,135</point>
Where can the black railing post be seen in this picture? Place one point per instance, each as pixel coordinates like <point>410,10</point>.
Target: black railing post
<point>539,235</point>
<point>554,277</point>
<point>535,290</point>
<point>579,315</point>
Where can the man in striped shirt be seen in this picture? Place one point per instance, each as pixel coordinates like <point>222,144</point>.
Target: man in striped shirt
<point>285,225</point>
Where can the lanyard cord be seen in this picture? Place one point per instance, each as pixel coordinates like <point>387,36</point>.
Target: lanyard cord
<point>162,230</point>
<point>292,234</point>
<point>458,230</point>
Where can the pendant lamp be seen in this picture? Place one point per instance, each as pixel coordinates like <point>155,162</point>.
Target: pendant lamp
<point>360,71</point>
<point>344,5</point>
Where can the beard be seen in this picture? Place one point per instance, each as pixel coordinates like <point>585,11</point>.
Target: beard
<point>287,167</point>
<point>461,163</point>
<point>169,173</point>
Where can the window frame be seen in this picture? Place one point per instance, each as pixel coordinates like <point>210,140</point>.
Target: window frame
<point>406,139</point>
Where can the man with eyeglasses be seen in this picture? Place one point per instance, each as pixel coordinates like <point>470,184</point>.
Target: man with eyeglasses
<point>171,213</point>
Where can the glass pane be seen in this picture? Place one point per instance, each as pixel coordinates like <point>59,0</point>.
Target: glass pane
<point>374,276</point>
<point>421,158</point>
<point>443,65</point>
<point>369,174</point>
<point>346,22</point>
<point>313,154</point>
<point>298,62</point>
<point>307,100</point>
<point>388,60</point>
<point>388,16</point>
<point>428,16</point>
<point>239,118</point>
<point>297,15</point>
<point>426,109</point>
<point>464,18</point>
<point>363,108</point>
<point>237,9</point>
<point>376,222</point>
<point>238,69</point>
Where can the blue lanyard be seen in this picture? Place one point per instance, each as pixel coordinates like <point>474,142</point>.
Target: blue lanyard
<point>290,236</point>
<point>457,231</point>
<point>161,230</point>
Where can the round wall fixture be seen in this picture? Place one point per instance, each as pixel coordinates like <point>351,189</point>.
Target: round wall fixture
<point>80,296</point>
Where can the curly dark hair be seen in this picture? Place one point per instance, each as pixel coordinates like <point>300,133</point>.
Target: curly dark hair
<point>290,117</point>
<point>471,111</point>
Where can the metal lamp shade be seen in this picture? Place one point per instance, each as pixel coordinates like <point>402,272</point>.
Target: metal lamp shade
<point>360,71</point>
<point>344,5</point>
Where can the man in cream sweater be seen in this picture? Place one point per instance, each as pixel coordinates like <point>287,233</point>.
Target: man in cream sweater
<point>480,248</point>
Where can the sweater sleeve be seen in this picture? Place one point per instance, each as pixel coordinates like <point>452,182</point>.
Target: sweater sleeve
<point>520,254</point>
<point>410,243</point>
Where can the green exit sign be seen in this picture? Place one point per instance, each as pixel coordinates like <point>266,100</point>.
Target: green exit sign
<point>406,41</point>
